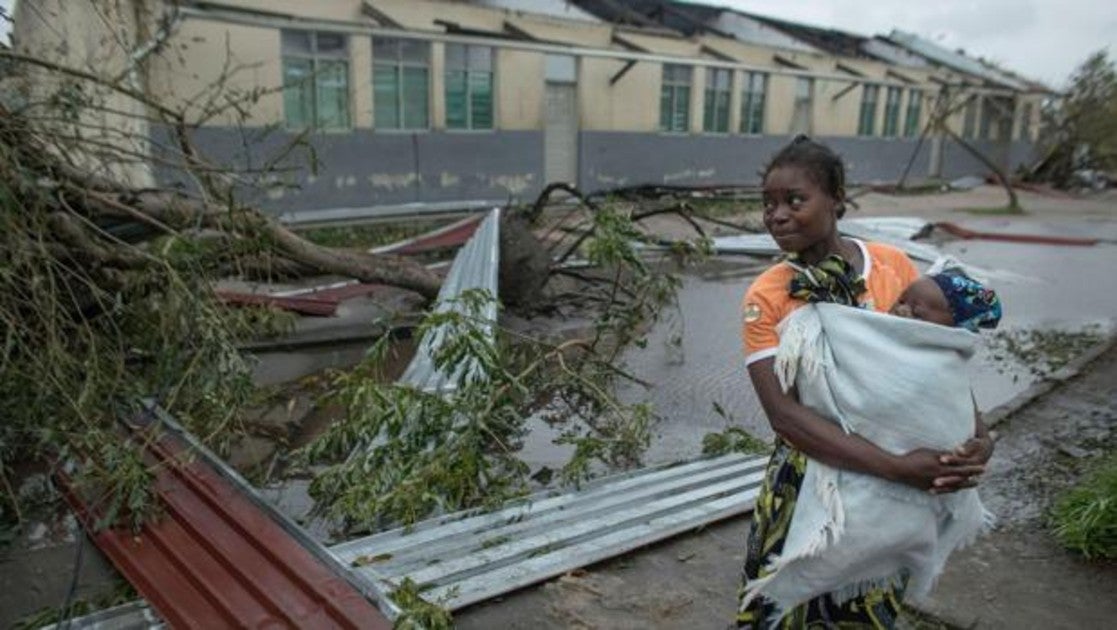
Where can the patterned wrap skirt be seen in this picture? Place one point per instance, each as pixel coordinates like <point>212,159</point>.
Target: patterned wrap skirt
<point>771,518</point>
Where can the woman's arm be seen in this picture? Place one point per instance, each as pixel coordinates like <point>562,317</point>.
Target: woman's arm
<point>826,442</point>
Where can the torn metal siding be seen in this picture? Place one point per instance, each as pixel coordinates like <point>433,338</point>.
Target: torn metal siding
<point>468,557</point>
<point>475,267</point>
<point>219,557</point>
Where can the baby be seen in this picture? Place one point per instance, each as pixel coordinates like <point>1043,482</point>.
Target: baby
<point>952,299</point>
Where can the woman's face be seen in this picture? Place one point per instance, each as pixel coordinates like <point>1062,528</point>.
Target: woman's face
<point>797,212</point>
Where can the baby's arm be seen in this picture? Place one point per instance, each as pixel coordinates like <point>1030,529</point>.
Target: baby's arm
<point>975,451</point>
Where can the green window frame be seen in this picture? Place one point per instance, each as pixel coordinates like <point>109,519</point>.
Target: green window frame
<point>752,102</point>
<point>469,87</point>
<point>674,99</point>
<point>803,110</point>
<point>985,127</point>
<point>892,111</point>
<point>719,87</point>
<point>315,79</point>
<point>400,83</point>
<point>969,120</point>
<point>1026,122</point>
<point>867,118</point>
<point>914,112</point>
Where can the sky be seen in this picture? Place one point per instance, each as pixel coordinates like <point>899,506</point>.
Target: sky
<point>1040,39</point>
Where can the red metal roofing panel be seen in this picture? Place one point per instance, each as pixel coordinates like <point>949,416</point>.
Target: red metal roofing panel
<point>448,236</point>
<point>217,560</point>
<point>319,306</point>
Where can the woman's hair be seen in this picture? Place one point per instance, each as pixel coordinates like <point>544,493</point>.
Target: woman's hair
<point>821,164</point>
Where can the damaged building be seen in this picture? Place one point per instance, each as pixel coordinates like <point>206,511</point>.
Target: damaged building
<point>424,101</point>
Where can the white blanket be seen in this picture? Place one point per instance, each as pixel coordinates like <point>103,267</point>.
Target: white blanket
<point>901,384</point>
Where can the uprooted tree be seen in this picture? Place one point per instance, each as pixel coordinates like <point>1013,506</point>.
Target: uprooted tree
<point>1080,130</point>
<point>106,298</point>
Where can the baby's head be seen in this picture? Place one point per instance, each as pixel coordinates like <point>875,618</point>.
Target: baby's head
<point>951,299</point>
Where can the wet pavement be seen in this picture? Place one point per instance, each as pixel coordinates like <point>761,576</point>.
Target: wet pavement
<point>693,357</point>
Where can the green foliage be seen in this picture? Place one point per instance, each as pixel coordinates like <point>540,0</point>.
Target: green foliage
<point>421,452</point>
<point>86,338</point>
<point>416,612</point>
<point>1085,517</point>
<point>400,454</point>
<point>1080,130</point>
<point>733,440</point>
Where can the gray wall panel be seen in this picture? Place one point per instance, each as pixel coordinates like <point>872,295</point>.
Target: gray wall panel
<point>361,168</point>
<point>613,159</point>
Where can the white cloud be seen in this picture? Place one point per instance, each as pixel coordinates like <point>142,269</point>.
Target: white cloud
<point>1040,39</point>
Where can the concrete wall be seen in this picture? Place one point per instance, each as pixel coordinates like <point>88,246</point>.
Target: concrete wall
<point>362,168</point>
<point>615,159</point>
<point>96,37</point>
<point>620,142</point>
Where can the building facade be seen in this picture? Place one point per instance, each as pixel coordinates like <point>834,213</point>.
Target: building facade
<point>363,103</point>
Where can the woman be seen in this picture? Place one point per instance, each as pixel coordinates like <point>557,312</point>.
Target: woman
<point>803,193</point>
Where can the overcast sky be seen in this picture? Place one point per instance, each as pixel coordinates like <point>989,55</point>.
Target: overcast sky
<point>1040,39</point>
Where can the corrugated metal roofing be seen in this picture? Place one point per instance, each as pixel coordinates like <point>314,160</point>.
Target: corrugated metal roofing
<point>475,267</point>
<point>218,558</point>
<point>955,60</point>
<point>468,557</point>
<point>552,8</point>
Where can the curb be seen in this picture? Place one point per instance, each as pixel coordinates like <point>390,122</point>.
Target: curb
<point>1005,410</point>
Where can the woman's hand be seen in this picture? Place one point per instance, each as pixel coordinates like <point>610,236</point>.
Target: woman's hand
<point>973,452</point>
<point>931,470</point>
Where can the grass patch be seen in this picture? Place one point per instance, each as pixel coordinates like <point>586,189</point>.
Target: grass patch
<point>994,211</point>
<point>1084,518</point>
<point>370,235</point>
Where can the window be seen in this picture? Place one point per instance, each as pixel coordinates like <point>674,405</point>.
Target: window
<point>970,119</point>
<point>915,110</point>
<point>892,112</point>
<point>752,102</point>
<point>804,97</point>
<point>674,99</point>
<point>985,131</point>
<point>469,87</point>
<point>1026,122</point>
<point>400,83</point>
<point>867,120</point>
<point>315,80</point>
<point>716,115</point>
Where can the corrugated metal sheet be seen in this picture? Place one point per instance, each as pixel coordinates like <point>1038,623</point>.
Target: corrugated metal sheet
<point>895,231</point>
<point>343,216</point>
<point>136,615</point>
<point>955,60</point>
<point>475,267</point>
<point>220,557</point>
<point>468,557</point>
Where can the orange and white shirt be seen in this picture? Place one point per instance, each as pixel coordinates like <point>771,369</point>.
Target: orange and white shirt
<point>887,272</point>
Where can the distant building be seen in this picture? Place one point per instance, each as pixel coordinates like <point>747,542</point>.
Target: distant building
<point>428,101</point>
